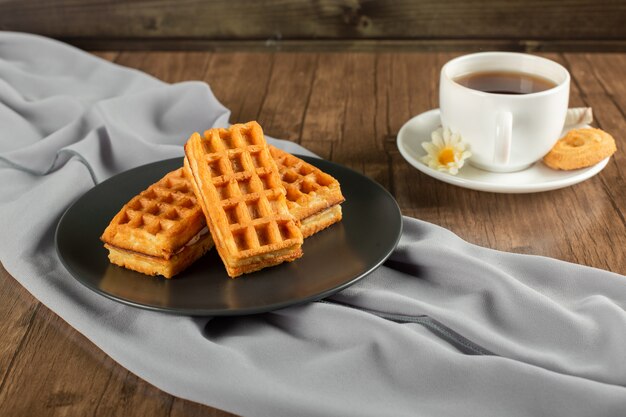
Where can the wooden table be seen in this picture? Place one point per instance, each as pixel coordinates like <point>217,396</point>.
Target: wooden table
<point>348,108</point>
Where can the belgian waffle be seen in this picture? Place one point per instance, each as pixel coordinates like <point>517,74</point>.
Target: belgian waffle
<point>239,189</point>
<point>313,197</point>
<point>161,231</point>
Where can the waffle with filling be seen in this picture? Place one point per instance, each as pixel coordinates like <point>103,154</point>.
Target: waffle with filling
<point>313,197</point>
<point>238,186</point>
<point>161,231</point>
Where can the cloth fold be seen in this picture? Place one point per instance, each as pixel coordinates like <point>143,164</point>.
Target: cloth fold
<point>443,328</point>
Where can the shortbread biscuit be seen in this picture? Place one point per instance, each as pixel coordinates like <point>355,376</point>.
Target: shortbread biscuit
<point>580,148</point>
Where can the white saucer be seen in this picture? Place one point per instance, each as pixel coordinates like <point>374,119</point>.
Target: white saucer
<point>536,178</point>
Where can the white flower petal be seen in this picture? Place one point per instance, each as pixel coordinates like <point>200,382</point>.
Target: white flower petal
<point>437,138</point>
<point>446,135</point>
<point>441,139</point>
<point>429,147</point>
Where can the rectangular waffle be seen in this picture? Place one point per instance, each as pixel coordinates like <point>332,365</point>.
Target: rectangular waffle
<point>239,189</point>
<point>161,231</point>
<point>313,197</point>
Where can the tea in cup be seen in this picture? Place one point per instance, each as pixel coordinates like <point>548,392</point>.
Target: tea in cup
<point>509,107</point>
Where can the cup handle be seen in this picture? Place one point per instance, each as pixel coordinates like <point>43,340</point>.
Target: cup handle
<point>504,134</point>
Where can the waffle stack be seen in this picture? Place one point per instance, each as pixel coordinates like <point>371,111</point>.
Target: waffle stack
<point>239,189</point>
<point>161,231</point>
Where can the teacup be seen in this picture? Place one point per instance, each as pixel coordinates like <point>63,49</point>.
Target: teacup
<point>509,107</point>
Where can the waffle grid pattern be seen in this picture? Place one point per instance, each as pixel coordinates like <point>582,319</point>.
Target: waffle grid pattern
<point>161,206</point>
<point>248,191</point>
<point>308,189</point>
<point>159,219</point>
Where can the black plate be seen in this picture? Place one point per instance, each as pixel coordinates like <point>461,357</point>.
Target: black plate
<point>333,258</point>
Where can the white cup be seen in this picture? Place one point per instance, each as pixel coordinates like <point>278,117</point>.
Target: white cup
<point>505,132</point>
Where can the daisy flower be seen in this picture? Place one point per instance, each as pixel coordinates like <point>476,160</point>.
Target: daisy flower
<point>446,152</point>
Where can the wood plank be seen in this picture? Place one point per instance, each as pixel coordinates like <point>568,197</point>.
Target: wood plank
<point>287,95</point>
<point>415,89</point>
<point>610,72</point>
<point>347,45</point>
<point>17,307</point>
<point>325,19</point>
<point>413,86</point>
<point>53,374</point>
<point>342,111</point>
<point>239,81</point>
<point>610,118</point>
<point>601,81</point>
<point>125,394</point>
<point>58,371</point>
<point>325,113</point>
<point>322,148</point>
<point>107,55</point>
<point>358,147</point>
<point>184,408</point>
<point>583,76</point>
<point>170,67</point>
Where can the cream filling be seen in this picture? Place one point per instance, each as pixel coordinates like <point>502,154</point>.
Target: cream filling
<point>326,215</point>
<point>259,259</point>
<point>193,240</point>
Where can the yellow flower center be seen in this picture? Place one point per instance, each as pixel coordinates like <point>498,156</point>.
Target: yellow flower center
<point>446,155</point>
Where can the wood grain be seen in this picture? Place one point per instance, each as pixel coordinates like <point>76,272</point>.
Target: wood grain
<point>19,307</point>
<point>323,19</point>
<point>239,81</point>
<point>286,102</point>
<point>521,44</point>
<point>168,66</point>
<point>348,107</point>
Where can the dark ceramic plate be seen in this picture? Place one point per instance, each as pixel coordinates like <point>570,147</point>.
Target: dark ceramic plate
<point>333,258</point>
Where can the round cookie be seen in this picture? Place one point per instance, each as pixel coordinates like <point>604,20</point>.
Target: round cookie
<point>580,148</point>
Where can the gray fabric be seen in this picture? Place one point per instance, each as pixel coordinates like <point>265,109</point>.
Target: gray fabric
<point>444,328</point>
